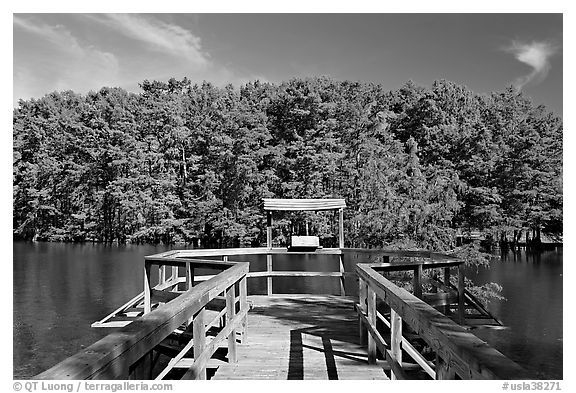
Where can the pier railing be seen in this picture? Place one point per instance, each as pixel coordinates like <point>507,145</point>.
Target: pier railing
<point>458,353</point>
<point>270,253</point>
<point>128,354</point>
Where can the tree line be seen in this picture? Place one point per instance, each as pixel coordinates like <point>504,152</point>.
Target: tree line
<point>184,162</point>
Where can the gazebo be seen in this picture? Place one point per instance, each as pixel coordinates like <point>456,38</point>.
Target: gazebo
<point>271,205</point>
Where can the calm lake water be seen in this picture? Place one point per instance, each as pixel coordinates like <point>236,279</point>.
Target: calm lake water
<point>532,286</point>
<point>60,289</point>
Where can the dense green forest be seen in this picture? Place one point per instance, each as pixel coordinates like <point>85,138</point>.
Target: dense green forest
<point>182,162</point>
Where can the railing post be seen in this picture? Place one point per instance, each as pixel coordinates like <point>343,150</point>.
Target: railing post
<point>174,277</point>
<point>161,274</point>
<point>189,282</point>
<point>269,230</point>
<point>447,283</point>
<point>362,298</point>
<point>417,281</point>
<point>269,256</point>
<point>395,339</point>
<point>342,289</point>
<point>189,276</point>
<point>341,228</point>
<point>199,337</point>
<point>244,306</point>
<point>269,289</point>
<point>230,313</point>
<point>147,288</point>
<point>461,287</point>
<point>372,320</point>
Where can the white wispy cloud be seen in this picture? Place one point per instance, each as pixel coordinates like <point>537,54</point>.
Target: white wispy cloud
<point>72,65</point>
<point>535,54</point>
<point>113,50</point>
<point>160,36</point>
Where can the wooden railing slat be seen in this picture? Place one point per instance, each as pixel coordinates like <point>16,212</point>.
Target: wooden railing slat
<point>406,346</point>
<point>230,313</point>
<point>395,338</point>
<point>202,359</point>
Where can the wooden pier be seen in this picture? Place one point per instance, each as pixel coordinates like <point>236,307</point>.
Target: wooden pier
<point>187,325</point>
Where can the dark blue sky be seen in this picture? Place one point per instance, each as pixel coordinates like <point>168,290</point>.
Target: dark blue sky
<point>485,52</point>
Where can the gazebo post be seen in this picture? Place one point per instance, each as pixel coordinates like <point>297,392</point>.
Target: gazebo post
<point>341,246</point>
<point>341,228</point>
<point>269,255</point>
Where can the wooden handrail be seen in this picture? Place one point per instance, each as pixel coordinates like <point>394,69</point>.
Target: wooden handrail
<point>181,257</point>
<point>433,260</point>
<point>220,252</point>
<point>458,351</point>
<point>113,356</point>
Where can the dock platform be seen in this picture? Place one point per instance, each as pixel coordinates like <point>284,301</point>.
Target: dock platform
<point>303,337</point>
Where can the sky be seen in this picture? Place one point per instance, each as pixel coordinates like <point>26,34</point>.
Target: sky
<point>485,52</point>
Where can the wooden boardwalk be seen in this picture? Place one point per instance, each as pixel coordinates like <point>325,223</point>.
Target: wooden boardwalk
<point>301,337</point>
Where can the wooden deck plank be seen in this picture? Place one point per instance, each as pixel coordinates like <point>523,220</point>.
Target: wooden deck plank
<point>301,337</point>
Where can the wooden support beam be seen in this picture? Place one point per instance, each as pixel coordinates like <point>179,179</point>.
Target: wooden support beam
<point>342,289</point>
<point>461,295</point>
<point>362,299</point>
<point>410,350</point>
<point>147,289</point>
<point>174,277</point>
<point>447,277</point>
<point>230,313</point>
<point>269,256</point>
<point>341,228</point>
<point>269,289</point>
<point>199,336</point>
<point>447,283</point>
<point>269,230</point>
<point>433,281</point>
<point>189,276</point>
<point>382,347</point>
<point>371,298</point>
<point>417,281</point>
<point>243,306</point>
<point>161,274</point>
<point>395,339</point>
<point>201,361</point>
